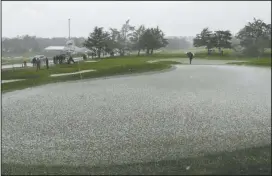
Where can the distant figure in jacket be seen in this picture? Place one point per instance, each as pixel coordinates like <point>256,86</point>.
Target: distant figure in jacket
<point>190,56</point>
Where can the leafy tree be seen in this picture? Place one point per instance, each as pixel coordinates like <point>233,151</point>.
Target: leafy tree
<point>111,42</point>
<point>205,38</point>
<point>153,38</point>
<point>123,38</point>
<point>255,37</point>
<point>137,39</point>
<point>97,40</point>
<point>159,41</point>
<point>118,40</point>
<point>222,39</point>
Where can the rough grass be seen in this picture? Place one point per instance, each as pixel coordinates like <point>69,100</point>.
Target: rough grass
<point>255,161</point>
<point>105,67</point>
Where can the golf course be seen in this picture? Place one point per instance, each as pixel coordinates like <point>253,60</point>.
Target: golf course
<point>136,88</point>
<point>144,101</point>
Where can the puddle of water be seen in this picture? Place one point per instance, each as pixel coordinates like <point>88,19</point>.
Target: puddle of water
<point>73,73</point>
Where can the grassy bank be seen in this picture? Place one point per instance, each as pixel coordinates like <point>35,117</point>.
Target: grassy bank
<point>104,67</point>
<point>246,161</point>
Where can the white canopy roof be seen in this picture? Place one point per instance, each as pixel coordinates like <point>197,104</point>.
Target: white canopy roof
<point>54,48</point>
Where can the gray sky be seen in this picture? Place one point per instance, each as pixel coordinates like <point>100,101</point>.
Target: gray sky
<point>50,19</point>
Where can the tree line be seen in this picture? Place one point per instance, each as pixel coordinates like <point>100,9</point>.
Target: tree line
<point>24,44</point>
<point>252,39</point>
<point>128,38</point>
<point>31,44</point>
<point>114,41</point>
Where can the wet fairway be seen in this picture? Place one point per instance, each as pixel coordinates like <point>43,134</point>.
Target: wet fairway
<point>190,111</point>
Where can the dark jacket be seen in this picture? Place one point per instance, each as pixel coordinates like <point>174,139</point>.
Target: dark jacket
<point>190,55</point>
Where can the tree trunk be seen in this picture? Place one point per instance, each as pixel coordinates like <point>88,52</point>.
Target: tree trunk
<point>151,51</point>
<point>220,51</point>
<point>122,52</point>
<point>147,51</point>
<point>139,52</point>
<point>209,51</point>
<point>99,53</point>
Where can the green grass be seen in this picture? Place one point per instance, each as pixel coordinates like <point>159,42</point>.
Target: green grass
<point>105,67</point>
<point>255,62</point>
<point>245,161</point>
<point>112,66</point>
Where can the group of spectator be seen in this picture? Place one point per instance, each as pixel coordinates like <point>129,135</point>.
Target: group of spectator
<point>36,61</point>
<point>59,59</point>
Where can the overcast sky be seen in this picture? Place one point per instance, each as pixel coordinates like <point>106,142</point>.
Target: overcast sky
<point>50,19</point>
